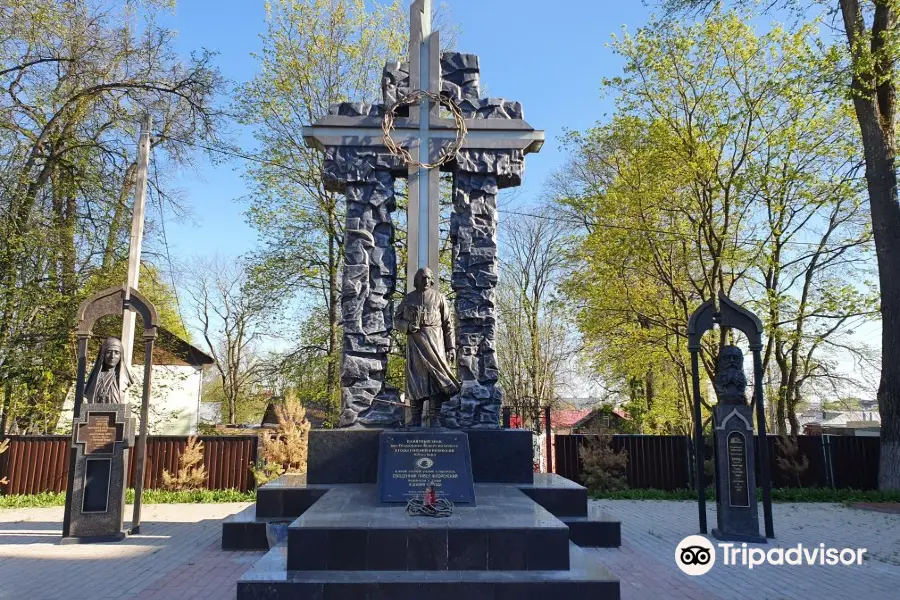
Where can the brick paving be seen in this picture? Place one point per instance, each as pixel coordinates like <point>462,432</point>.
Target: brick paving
<point>645,563</point>
<point>178,556</point>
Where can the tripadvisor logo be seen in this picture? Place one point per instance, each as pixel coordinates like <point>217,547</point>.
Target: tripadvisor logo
<point>695,555</point>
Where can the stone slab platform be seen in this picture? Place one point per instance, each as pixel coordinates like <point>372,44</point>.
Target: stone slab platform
<point>348,530</point>
<point>289,497</point>
<point>244,531</point>
<point>269,579</point>
<point>562,497</point>
<point>597,529</point>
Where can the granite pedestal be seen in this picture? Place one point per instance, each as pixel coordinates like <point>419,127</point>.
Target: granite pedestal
<point>350,545</point>
<point>520,541</point>
<point>736,507</point>
<point>351,455</point>
<point>101,438</point>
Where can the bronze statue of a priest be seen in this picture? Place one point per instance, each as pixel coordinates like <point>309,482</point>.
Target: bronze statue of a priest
<point>424,315</point>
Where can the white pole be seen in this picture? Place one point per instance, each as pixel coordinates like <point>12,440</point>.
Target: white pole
<point>137,234</point>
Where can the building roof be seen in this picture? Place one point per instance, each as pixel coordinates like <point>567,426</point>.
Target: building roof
<point>567,417</point>
<point>870,418</point>
<point>170,349</point>
<point>593,413</point>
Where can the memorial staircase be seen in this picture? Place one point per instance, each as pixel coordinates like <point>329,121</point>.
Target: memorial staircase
<point>523,539</point>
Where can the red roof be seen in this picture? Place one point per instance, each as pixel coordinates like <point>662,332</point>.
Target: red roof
<point>567,418</point>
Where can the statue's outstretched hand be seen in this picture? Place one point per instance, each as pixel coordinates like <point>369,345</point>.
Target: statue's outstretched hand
<point>451,355</point>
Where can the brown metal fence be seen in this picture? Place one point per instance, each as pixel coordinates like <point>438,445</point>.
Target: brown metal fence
<point>654,461</point>
<point>35,464</point>
<point>665,462</point>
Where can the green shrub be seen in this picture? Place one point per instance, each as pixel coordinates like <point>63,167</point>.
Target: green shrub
<point>150,497</point>
<point>603,469</point>
<point>778,495</point>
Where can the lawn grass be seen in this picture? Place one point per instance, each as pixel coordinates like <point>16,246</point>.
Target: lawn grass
<point>150,497</point>
<point>845,496</point>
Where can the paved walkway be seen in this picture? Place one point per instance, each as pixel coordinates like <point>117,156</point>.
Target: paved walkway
<point>179,556</point>
<point>651,530</point>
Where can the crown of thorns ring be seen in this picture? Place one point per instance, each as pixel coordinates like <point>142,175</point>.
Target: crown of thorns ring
<point>448,153</point>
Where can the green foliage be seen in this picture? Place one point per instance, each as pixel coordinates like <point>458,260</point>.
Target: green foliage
<point>79,74</point>
<point>45,499</point>
<point>846,496</point>
<point>316,53</point>
<point>727,167</point>
<point>603,467</point>
<point>151,284</point>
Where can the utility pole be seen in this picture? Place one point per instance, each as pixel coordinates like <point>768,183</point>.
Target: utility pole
<point>137,235</point>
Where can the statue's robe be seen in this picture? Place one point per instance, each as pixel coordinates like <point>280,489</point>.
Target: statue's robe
<point>426,319</point>
<point>104,388</point>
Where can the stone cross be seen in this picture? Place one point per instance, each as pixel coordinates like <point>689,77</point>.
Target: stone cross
<point>359,165</point>
<point>99,433</point>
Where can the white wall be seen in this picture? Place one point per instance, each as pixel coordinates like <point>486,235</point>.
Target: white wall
<point>174,400</point>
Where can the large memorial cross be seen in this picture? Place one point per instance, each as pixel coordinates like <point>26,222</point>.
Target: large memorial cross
<point>359,164</point>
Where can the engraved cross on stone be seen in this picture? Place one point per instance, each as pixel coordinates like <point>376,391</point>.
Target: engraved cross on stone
<point>424,133</point>
<point>100,433</point>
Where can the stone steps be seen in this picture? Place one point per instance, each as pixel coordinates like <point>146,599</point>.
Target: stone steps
<point>585,579</point>
<point>244,531</point>
<point>290,497</point>
<point>348,530</point>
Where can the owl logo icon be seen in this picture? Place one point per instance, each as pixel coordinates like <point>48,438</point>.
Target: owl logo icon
<point>695,555</point>
<point>424,463</point>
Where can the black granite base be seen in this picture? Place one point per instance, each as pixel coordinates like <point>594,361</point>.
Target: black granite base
<point>244,531</point>
<point>349,530</point>
<point>501,455</point>
<point>347,545</point>
<point>585,579</point>
<point>351,455</point>
<point>562,497</point>
<point>737,537</point>
<point>289,497</point>
<point>594,531</point>
<point>93,539</point>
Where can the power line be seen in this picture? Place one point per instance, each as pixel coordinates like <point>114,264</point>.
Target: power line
<point>569,221</point>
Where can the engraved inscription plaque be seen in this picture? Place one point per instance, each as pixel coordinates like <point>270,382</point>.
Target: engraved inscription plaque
<point>410,461</point>
<point>738,491</point>
<point>100,434</point>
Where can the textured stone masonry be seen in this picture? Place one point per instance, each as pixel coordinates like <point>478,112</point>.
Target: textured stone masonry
<point>473,233</point>
<point>366,176</point>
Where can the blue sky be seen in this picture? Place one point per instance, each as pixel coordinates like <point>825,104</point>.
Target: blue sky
<point>551,56</point>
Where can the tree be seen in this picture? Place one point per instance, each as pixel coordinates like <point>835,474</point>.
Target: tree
<point>191,473</point>
<point>75,78</point>
<point>230,314</point>
<point>723,169</point>
<point>534,342</point>
<point>286,450</point>
<point>316,53</point>
<point>871,36</point>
